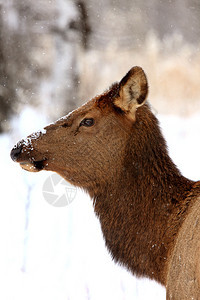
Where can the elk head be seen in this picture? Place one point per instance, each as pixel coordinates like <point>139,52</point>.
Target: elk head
<point>87,146</point>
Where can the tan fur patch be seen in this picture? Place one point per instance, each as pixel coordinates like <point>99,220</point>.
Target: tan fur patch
<point>28,167</point>
<point>133,91</point>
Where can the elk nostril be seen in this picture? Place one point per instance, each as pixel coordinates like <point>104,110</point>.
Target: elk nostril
<point>15,152</point>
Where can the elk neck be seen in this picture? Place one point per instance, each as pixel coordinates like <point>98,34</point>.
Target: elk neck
<point>142,208</point>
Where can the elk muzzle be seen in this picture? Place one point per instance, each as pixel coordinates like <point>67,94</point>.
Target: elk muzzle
<point>29,159</point>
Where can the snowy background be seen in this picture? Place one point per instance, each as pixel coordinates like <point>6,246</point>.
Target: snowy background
<point>54,55</point>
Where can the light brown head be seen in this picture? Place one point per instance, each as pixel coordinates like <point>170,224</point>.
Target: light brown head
<point>86,146</point>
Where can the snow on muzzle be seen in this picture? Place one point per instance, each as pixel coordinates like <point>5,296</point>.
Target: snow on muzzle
<point>29,158</point>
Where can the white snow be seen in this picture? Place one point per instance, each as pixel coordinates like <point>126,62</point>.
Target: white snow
<point>28,141</point>
<point>59,253</point>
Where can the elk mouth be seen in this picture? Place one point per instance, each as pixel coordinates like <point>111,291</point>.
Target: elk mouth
<point>34,166</point>
<point>29,160</point>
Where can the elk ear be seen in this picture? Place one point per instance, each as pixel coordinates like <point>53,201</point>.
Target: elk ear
<point>133,90</point>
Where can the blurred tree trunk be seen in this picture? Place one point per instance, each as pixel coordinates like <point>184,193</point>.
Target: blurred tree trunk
<point>39,44</point>
<point>7,92</point>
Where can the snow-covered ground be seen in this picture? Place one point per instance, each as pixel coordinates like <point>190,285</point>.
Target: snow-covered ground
<point>59,253</point>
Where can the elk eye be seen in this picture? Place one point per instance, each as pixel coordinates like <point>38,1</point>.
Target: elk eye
<point>87,122</point>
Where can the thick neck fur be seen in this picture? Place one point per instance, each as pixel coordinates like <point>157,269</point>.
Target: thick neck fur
<point>142,209</point>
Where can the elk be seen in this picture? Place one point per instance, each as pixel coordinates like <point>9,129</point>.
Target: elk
<point>113,148</point>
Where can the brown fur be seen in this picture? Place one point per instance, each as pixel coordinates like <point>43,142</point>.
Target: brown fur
<point>139,195</point>
<point>183,279</point>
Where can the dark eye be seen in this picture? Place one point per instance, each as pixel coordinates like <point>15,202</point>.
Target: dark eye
<point>87,122</point>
